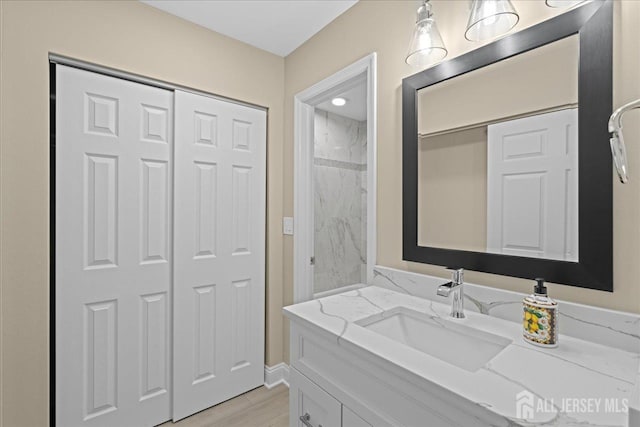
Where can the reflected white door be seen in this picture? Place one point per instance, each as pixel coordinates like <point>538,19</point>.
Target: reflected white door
<point>532,190</point>
<point>113,251</point>
<point>220,190</point>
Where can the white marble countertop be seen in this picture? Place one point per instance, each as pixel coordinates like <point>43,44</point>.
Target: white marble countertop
<point>564,379</point>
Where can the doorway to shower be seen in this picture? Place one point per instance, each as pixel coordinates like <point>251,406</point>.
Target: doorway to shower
<point>334,184</point>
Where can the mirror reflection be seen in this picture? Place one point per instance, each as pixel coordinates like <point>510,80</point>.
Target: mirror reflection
<point>498,157</point>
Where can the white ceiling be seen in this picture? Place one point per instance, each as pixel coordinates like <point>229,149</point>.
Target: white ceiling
<point>277,26</point>
<point>356,106</point>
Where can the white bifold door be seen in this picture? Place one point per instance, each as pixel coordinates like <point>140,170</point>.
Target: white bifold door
<point>159,284</point>
<point>532,188</point>
<point>114,143</point>
<point>219,251</point>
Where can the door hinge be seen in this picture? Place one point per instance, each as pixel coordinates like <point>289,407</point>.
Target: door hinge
<point>312,260</point>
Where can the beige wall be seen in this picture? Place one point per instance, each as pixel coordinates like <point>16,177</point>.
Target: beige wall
<point>385,27</point>
<point>452,190</point>
<point>129,36</point>
<point>513,87</point>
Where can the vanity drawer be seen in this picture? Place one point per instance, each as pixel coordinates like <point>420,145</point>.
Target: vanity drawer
<point>311,403</point>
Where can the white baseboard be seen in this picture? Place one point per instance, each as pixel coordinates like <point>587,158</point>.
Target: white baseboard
<point>275,375</point>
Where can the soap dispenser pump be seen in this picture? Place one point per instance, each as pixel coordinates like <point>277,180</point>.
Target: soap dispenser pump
<point>540,317</point>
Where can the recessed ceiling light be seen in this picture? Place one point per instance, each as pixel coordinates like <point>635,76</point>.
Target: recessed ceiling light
<point>338,102</point>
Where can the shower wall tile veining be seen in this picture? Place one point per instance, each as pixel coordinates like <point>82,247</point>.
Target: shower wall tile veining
<point>340,201</point>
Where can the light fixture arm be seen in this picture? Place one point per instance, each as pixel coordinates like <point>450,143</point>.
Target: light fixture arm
<point>424,11</point>
<point>618,149</point>
<point>615,121</point>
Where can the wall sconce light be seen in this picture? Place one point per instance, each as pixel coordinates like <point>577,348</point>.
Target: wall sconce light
<point>563,3</point>
<point>489,19</point>
<point>426,45</point>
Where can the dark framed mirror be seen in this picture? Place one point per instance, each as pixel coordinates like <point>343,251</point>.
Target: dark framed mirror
<point>516,178</point>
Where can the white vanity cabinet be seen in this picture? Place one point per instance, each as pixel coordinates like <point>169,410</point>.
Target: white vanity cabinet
<point>338,384</point>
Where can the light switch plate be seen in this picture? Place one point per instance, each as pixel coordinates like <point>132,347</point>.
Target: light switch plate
<point>287,225</point>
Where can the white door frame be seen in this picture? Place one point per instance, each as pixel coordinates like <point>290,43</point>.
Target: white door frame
<point>304,108</point>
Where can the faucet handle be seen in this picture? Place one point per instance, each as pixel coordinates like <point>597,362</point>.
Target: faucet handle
<point>457,274</point>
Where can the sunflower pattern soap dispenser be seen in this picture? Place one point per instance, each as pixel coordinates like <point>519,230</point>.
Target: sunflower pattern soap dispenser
<point>540,317</point>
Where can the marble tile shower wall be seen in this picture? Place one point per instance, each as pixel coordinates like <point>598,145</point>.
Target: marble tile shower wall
<point>340,202</point>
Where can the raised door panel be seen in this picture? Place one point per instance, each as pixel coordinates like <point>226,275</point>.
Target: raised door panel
<point>101,215</point>
<point>206,206</point>
<point>524,145</point>
<point>206,128</point>
<point>241,324</point>
<point>155,124</point>
<point>523,215</point>
<point>241,135</point>
<point>100,364</point>
<point>204,344</point>
<point>241,216</point>
<point>113,193</point>
<point>101,114</point>
<point>155,211</point>
<point>154,324</point>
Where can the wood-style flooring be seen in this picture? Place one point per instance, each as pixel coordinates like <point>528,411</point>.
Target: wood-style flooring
<point>258,408</point>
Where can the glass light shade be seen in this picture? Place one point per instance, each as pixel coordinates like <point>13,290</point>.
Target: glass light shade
<point>619,153</point>
<point>490,18</point>
<point>563,3</point>
<point>426,45</point>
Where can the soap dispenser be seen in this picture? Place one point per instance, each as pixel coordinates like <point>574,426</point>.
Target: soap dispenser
<point>540,317</point>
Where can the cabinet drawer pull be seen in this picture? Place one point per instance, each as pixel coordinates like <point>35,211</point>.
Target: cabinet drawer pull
<point>305,420</point>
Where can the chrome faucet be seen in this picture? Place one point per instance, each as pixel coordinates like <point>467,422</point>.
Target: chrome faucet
<point>456,285</point>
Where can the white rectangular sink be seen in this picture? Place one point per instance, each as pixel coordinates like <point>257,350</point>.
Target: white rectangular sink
<point>454,343</point>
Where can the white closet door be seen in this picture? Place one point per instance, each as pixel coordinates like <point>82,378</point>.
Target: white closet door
<point>219,253</point>
<point>113,251</point>
<point>532,191</point>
